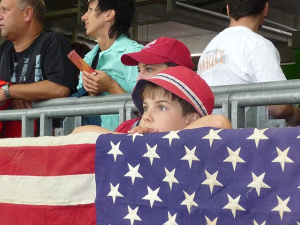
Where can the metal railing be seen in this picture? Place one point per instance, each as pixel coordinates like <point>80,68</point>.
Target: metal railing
<point>233,99</point>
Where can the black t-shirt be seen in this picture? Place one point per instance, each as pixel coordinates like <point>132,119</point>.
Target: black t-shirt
<point>45,59</point>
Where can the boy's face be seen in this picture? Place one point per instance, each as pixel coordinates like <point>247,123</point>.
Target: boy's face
<point>148,71</point>
<point>163,113</point>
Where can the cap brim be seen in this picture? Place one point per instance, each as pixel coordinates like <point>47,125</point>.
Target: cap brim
<point>135,95</point>
<point>133,59</point>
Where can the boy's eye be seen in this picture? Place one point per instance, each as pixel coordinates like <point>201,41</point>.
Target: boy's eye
<point>145,108</point>
<point>149,69</point>
<point>162,108</point>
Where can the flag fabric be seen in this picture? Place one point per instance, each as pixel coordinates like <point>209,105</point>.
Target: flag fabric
<point>201,176</point>
<point>48,180</point>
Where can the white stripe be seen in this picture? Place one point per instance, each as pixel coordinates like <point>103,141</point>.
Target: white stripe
<point>52,190</point>
<point>80,138</point>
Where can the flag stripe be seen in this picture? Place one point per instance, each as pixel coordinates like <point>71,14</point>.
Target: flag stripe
<point>73,139</point>
<point>59,190</point>
<point>12,214</point>
<point>48,161</point>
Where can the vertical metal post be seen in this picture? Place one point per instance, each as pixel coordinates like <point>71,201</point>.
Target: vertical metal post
<point>122,114</point>
<point>70,123</point>
<point>45,125</point>
<point>171,5</point>
<point>237,115</point>
<point>226,110</point>
<point>27,127</point>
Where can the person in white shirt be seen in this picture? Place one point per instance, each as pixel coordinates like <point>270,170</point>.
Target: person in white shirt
<point>239,55</point>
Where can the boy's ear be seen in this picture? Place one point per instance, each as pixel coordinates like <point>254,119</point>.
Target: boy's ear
<point>192,117</point>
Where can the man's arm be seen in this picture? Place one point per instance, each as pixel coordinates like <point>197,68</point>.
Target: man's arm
<point>39,91</point>
<point>288,112</point>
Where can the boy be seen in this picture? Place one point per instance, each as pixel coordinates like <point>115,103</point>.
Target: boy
<point>174,99</point>
<point>156,56</point>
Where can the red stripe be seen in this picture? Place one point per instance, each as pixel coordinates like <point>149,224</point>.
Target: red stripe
<point>48,161</point>
<point>11,214</point>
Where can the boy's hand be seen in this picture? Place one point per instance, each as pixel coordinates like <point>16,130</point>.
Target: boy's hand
<point>142,130</point>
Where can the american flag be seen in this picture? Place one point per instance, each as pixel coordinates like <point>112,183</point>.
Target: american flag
<point>201,176</point>
<point>48,180</point>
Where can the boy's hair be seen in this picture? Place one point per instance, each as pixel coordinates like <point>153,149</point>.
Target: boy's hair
<point>242,8</point>
<point>124,10</point>
<point>39,8</point>
<point>152,90</point>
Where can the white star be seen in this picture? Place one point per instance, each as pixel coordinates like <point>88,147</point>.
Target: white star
<point>190,156</point>
<point>172,135</point>
<point>134,135</point>
<point>297,221</point>
<point>133,172</point>
<point>282,157</point>
<point>211,180</point>
<point>132,215</point>
<point>115,150</point>
<point>152,196</point>
<point>258,183</point>
<point>258,135</point>
<point>209,222</point>
<point>234,157</point>
<point>171,219</point>
<point>212,135</point>
<point>170,177</point>
<point>151,153</point>
<point>282,206</point>
<point>233,205</point>
<point>189,201</point>
<point>114,192</point>
<point>264,223</point>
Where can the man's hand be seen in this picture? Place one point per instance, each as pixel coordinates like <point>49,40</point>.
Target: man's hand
<point>2,96</point>
<point>294,120</point>
<point>20,104</point>
<point>142,130</point>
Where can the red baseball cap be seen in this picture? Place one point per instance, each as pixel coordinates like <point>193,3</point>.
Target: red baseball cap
<point>182,82</point>
<point>161,50</point>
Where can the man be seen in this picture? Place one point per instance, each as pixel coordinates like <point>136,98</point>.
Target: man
<point>238,55</point>
<point>108,22</point>
<point>35,62</point>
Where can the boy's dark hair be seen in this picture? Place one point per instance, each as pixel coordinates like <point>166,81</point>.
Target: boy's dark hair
<point>150,90</point>
<point>242,8</point>
<point>171,64</point>
<point>124,10</point>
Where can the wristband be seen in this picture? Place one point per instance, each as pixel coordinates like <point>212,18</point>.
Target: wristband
<point>6,91</point>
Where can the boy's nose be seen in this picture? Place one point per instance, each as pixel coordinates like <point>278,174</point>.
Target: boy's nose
<point>147,117</point>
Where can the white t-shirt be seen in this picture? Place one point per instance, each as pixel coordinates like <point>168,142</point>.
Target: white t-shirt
<point>238,55</point>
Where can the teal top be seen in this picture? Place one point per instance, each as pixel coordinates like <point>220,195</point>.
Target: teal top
<point>110,63</point>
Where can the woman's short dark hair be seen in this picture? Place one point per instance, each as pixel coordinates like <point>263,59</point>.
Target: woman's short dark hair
<point>124,10</point>
<point>242,8</point>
